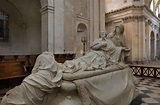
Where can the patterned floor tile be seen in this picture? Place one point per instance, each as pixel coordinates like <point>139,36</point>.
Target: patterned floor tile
<point>142,88</point>
<point>144,104</point>
<point>149,90</point>
<point>153,95</point>
<point>149,100</point>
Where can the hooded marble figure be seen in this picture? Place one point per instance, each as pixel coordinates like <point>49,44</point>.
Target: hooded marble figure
<point>97,78</point>
<point>45,77</point>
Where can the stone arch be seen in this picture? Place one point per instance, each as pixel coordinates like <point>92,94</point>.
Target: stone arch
<point>82,35</point>
<point>81,27</point>
<point>12,10</point>
<point>24,25</point>
<point>151,5</point>
<point>152,49</point>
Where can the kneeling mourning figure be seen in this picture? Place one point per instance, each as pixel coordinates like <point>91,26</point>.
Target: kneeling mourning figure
<point>98,78</point>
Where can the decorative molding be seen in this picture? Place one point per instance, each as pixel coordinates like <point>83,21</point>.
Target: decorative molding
<point>134,18</point>
<point>136,0</point>
<point>46,9</point>
<point>12,3</point>
<point>151,24</point>
<point>134,7</point>
<point>82,17</point>
<point>125,8</point>
<point>140,18</point>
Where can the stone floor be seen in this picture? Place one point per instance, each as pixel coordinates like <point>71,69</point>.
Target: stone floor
<point>0,98</point>
<point>2,92</point>
<point>149,91</point>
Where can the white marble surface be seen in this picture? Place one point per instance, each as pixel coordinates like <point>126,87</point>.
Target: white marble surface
<point>78,81</point>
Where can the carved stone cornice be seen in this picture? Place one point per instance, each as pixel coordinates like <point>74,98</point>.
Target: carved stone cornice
<point>137,18</point>
<point>128,14</point>
<point>82,17</point>
<point>151,24</point>
<point>125,8</point>
<point>134,18</point>
<point>133,7</point>
<point>46,9</point>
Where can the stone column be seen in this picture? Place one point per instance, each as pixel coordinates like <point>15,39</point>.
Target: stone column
<point>102,15</point>
<point>147,40</point>
<point>59,27</point>
<point>47,27</point>
<point>135,36</point>
<point>149,43</point>
<point>141,39</point>
<point>96,18</point>
<point>91,5</point>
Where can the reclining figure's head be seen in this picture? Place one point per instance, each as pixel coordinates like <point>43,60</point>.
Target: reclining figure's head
<point>103,34</point>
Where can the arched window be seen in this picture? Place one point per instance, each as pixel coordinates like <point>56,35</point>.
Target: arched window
<point>151,5</point>
<point>152,45</point>
<point>4,31</point>
<point>157,12</point>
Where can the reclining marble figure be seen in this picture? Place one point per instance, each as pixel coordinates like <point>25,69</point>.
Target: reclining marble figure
<point>98,78</point>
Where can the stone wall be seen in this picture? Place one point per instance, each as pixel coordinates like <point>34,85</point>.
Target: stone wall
<point>24,27</point>
<point>52,25</point>
<point>139,22</point>
<point>66,16</point>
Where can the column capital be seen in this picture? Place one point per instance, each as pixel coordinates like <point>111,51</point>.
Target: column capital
<point>46,9</point>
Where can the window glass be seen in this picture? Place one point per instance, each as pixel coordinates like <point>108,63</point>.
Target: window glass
<point>4,31</point>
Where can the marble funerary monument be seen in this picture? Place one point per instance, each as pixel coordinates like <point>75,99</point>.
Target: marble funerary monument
<point>100,77</point>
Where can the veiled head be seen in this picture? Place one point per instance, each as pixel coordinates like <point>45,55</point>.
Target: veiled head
<point>44,61</point>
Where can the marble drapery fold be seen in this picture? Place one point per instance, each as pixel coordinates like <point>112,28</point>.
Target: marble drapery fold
<point>45,78</point>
